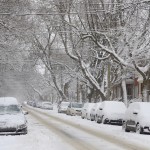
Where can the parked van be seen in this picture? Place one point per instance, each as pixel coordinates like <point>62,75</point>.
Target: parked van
<point>111,112</point>
<point>137,117</point>
<point>12,119</point>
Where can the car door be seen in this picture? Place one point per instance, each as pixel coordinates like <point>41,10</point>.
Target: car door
<point>93,111</point>
<point>84,110</point>
<point>68,109</point>
<point>100,112</point>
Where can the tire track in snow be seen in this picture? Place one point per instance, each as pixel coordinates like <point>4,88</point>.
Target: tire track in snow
<point>109,138</point>
<point>68,138</point>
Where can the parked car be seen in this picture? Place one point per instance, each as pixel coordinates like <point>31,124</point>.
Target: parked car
<point>137,117</point>
<point>94,110</point>
<point>88,112</point>
<point>38,104</point>
<point>12,119</point>
<point>47,105</point>
<point>74,108</point>
<point>111,112</point>
<point>31,103</point>
<point>62,108</point>
<point>85,113</point>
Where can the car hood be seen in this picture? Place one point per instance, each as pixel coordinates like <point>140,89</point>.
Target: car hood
<point>12,120</point>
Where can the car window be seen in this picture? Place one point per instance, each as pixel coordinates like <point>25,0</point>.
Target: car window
<point>64,104</point>
<point>2,109</point>
<point>69,106</point>
<point>11,109</point>
<point>76,105</point>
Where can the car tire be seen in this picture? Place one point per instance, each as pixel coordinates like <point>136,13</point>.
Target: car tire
<point>139,129</point>
<point>124,127</point>
<point>91,118</point>
<point>103,120</point>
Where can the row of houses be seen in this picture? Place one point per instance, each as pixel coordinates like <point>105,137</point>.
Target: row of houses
<point>134,87</point>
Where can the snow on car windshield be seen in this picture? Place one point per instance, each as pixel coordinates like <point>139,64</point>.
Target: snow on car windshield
<point>76,105</point>
<point>64,104</point>
<point>11,109</point>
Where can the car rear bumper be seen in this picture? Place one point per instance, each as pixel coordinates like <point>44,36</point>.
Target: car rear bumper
<point>78,113</point>
<point>117,121</point>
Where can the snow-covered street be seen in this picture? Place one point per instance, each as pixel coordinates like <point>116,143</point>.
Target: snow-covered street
<point>48,130</point>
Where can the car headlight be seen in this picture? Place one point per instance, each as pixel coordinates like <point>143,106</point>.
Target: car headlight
<point>23,126</point>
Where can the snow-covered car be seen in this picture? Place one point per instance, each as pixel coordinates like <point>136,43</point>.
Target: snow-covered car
<point>137,117</point>
<point>88,113</point>
<point>85,113</point>
<point>111,112</point>
<point>74,108</point>
<point>62,108</point>
<point>38,104</point>
<point>47,105</point>
<point>31,103</point>
<point>94,111</point>
<point>12,119</point>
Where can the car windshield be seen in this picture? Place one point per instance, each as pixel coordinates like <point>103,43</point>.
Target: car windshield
<point>11,109</point>
<point>64,104</point>
<point>76,105</point>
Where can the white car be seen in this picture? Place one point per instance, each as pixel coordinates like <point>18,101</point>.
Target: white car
<point>74,108</point>
<point>47,105</point>
<point>111,112</point>
<point>12,119</point>
<point>85,113</point>
<point>94,110</point>
<point>88,113</point>
<point>137,117</point>
<point>62,108</point>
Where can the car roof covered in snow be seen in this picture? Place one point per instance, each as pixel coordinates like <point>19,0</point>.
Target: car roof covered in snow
<point>113,105</point>
<point>8,101</point>
<point>142,105</point>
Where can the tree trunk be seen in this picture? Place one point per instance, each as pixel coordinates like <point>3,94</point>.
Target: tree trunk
<point>146,89</point>
<point>109,83</point>
<point>125,99</point>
